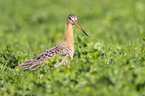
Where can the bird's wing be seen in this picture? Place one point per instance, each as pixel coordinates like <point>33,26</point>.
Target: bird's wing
<point>40,59</point>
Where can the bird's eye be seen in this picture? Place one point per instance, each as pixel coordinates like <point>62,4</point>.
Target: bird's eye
<point>71,19</point>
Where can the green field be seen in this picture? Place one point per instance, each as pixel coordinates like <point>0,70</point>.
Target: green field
<point>109,62</point>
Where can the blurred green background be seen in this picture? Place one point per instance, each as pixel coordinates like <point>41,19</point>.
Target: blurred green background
<point>110,61</point>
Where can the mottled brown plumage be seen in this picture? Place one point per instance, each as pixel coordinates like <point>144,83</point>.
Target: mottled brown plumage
<point>64,49</point>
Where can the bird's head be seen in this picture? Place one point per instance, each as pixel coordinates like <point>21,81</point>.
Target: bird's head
<point>72,19</point>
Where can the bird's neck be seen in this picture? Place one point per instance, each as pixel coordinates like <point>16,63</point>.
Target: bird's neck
<point>69,35</point>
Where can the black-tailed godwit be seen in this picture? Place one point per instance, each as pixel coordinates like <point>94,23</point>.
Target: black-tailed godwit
<point>64,49</point>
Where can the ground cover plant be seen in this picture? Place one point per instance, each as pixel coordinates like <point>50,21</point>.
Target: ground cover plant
<point>109,62</point>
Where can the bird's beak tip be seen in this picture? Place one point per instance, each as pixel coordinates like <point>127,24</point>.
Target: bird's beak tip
<point>76,23</point>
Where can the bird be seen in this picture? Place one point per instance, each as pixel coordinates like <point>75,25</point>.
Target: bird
<point>63,49</point>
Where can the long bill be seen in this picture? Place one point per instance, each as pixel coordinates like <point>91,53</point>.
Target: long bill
<point>76,23</point>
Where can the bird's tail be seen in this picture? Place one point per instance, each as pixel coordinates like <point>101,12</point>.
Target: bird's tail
<point>30,65</point>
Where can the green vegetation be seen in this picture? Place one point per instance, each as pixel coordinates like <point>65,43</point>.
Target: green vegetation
<point>109,62</point>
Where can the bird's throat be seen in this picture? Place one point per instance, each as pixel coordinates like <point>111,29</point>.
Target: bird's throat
<point>69,35</point>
